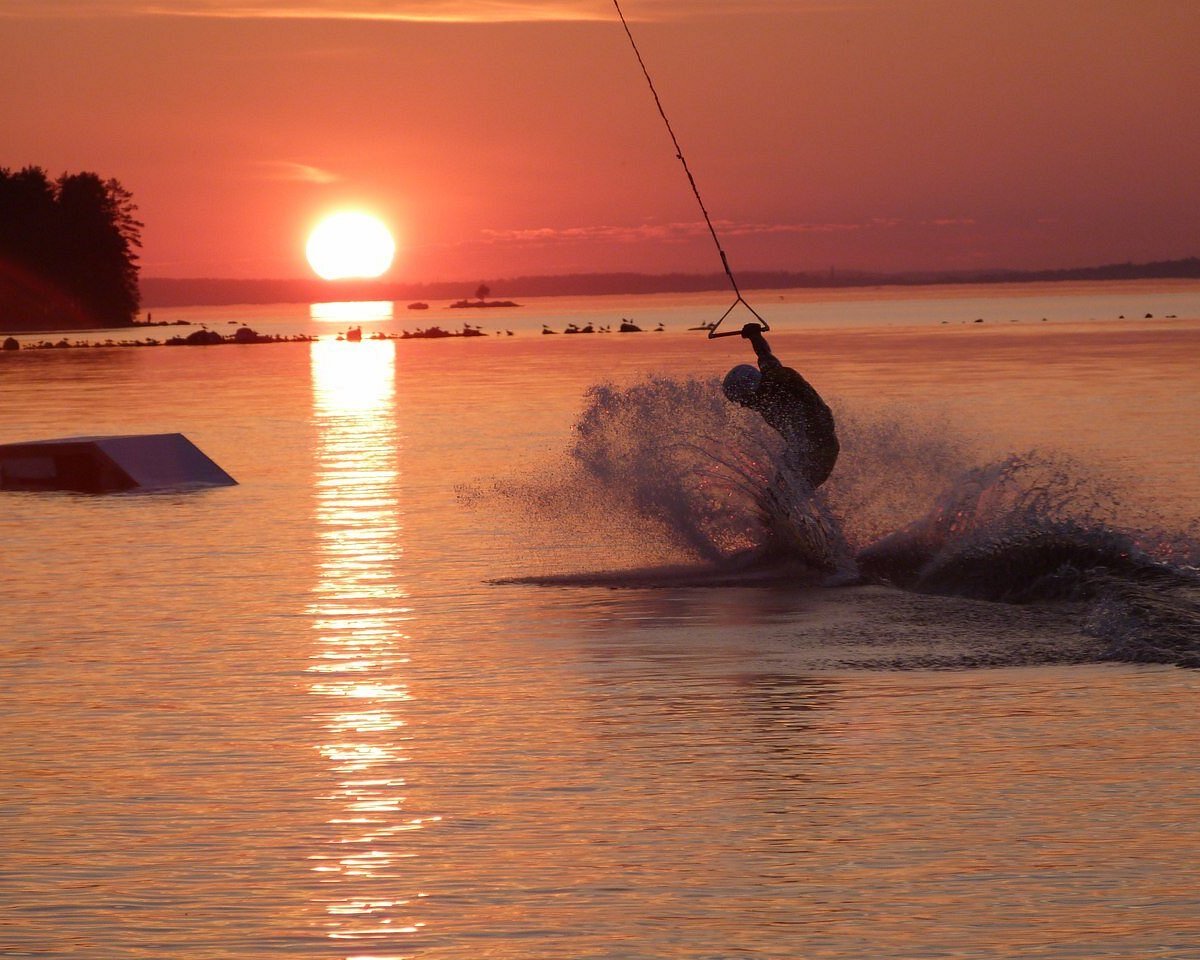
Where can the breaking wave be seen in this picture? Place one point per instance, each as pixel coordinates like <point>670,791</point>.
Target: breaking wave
<point>680,476</point>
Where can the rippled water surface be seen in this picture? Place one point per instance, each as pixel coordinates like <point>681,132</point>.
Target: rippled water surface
<point>299,718</point>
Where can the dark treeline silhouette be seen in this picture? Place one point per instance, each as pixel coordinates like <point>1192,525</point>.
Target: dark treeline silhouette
<point>172,292</point>
<point>67,252</point>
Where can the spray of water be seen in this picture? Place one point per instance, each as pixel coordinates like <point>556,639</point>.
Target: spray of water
<point>673,472</point>
<point>672,469</point>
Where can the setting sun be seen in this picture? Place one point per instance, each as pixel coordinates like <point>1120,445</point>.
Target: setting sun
<point>350,244</point>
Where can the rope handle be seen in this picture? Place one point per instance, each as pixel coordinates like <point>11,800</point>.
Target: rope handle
<point>712,331</point>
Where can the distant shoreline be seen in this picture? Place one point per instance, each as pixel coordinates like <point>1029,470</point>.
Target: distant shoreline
<point>161,292</point>
<point>167,293</point>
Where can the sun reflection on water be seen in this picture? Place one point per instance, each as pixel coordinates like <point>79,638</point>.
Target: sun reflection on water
<point>352,311</point>
<point>358,665</point>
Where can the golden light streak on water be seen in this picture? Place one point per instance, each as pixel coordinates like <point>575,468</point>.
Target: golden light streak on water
<point>359,612</point>
<point>352,311</point>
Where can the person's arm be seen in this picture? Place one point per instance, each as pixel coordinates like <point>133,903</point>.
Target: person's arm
<point>766,359</point>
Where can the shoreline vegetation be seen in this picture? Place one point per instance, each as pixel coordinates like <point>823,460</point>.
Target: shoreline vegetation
<point>212,292</point>
<point>68,252</point>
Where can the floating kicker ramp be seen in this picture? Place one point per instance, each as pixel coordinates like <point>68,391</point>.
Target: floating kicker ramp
<point>155,461</point>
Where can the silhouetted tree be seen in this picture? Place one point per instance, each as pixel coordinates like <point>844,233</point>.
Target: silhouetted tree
<point>102,234</point>
<point>67,251</point>
<point>482,291</point>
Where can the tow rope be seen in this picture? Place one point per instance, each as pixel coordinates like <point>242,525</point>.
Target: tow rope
<point>712,329</point>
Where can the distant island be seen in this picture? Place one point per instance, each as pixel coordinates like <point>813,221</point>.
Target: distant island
<point>177,292</point>
<point>481,300</point>
<point>460,304</point>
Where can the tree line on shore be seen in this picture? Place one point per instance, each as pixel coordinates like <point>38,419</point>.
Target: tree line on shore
<point>68,251</point>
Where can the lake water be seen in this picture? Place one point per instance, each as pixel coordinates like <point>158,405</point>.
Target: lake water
<point>431,681</point>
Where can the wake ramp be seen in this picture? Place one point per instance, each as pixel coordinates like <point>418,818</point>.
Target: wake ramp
<point>157,461</point>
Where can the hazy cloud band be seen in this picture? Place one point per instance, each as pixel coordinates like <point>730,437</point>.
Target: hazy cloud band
<point>413,11</point>
<point>684,231</point>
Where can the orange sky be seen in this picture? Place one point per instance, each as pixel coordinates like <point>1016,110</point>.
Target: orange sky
<point>501,137</point>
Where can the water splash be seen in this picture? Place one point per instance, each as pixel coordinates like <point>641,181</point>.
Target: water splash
<point>666,469</point>
<point>675,454</point>
<point>675,471</point>
<point>999,528</point>
<point>710,479</point>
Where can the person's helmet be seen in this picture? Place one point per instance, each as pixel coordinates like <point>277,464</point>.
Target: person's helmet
<point>741,384</point>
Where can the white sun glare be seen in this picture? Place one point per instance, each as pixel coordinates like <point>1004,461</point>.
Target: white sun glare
<point>350,244</point>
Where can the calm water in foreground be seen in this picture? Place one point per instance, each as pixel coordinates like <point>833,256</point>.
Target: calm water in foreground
<point>300,718</point>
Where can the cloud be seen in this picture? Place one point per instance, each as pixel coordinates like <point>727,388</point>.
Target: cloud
<point>413,11</point>
<point>686,231</point>
<point>679,232</point>
<point>289,170</point>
